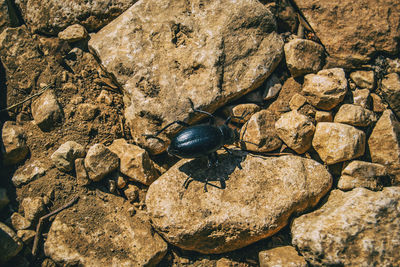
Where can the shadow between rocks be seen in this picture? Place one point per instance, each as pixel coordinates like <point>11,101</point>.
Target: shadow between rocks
<point>197,170</point>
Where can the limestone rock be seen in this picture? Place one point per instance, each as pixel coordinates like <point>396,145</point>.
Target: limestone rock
<point>281,104</point>
<point>26,236</point>
<point>14,148</point>
<point>28,173</point>
<point>363,79</point>
<point>73,33</point>
<point>211,52</point>
<point>337,142</point>
<point>362,174</point>
<point>326,89</point>
<point>45,17</point>
<point>304,56</point>
<point>297,101</point>
<point>100,161</point>
<point>253,202</point>
<point>355,115</point>
<point>391,91</point>
<point>135,162</point>
<point>46,111</point>
<point>296,130</point>
<point>362,97</point>
<point>351,32</point>
<point>393,65</point>
<point>384,144</point>
<point>33,208</point>
<point>132,192</point>
<point>64,157</point>
<point>281,256</point>
<point>82,177</point>
<point>3,198</point>
<point>377,104</point>
<point>260,132</point>
<point>19,222</point>
<point>87,111</point>
<point>355,228</point>
<point>237,111</point>
<point>10,245</point>
<point>323,116</point>
<point>120,240</point>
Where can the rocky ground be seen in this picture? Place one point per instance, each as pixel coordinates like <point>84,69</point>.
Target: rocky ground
<point>314,89</point>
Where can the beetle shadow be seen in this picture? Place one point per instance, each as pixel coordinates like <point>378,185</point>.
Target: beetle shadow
<point>197,170</point>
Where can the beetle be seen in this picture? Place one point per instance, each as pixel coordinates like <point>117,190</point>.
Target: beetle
<point>200,141</point>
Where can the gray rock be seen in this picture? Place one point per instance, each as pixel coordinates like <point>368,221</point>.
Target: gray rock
<point>304,57</point>
<point>337,142</point>
<point>10,245</point>
<point>326,89</point>
<point>355,228</point>
<point>14,147</point>
<point>100,161</point>
<point>33,208</point>
<point>121,240</point>
<point>3,198</point>
<point>217,52</point>
<point>355,115</point>
<point>46,111</point>
<point>28,173</point>
<point>281,257</point>
<point>391,91</point>
<point>384,144</point>
<point>362,174</point>
<point>64,157</point>
<point>253,202</point>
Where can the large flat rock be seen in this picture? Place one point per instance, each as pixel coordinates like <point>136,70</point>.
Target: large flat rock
<point>253,202</point>
<point>164,52</point>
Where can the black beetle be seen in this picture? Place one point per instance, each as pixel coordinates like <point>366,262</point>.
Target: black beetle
<point>201,140</point>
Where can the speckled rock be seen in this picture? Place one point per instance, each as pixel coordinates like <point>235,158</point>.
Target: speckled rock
<point>384,144</point>
<point>337,142</point>
<point>10,245</point>
<point>356,228</point>
<point>13,147</point>
<point>362,174</point>
<point>304,56</point>
<point>216,52</point>
<point>73,33</point>
<point>28,173</point>
<point>326,89</point>
<point>260,132</point>
<point>237,111</point>
<point>355,115</point>
<point>26,236</point>
<point>362,97</point>
<point>33,208</point>
<point>82,177</point>
<point>323,116</point>
<point>296,130</point>
<point>352,32</point>
<point>363,79</point>
<point>135,162</point>
<point>248,204</point>
<point>286,256</point>
<point>377,103</point>
<point>87,111</point>
<point>100,161</point>
<point>46,111</point>
<point>391,91</point>
<point>64,157</point>
<point>121,240</point>
<point>19,222</point>
<point>297,101</point>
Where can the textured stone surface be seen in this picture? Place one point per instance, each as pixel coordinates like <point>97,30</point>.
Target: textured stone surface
<point>64,157</point>
<point>355,115</point>
<point>384,144</point>
<point>45,17</point>
<point>87,111</point>
<point>26,236</point>
<point>19,222</point>
<point>363,79</point>
<point>323,116</point>
<point>362,174</point>
<point>297,101</point>
<point>377,104</point>
<point>8,16</point>
<point>391,91</point>
<point>33,208</point>
<point>100,161</point>
<point>73,33</point>
<point>82,177</point>
<point>337,142</point>
<point>164,52</point>
<point>296,130</point>
<point>304,56</point>
<point>29,172</point>
<point>326,89</point>
<point>356,228</point>
<point>10,244</point>
<point>98,231</point>
<point>46,111</point>
<point>14,147</point>
<point>252,203</point>
<point>237,111</point>
<point>260,132</point>
<point>134,162</point>
<point>362,98</point>
<point>352,32</point>
<point>281,257</point>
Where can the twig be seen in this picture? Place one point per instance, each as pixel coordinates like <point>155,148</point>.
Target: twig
<point>39,226</point>
<point>26,99</point>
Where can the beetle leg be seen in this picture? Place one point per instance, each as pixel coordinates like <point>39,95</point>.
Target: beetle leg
<point>187,182</point>
<point>182,123</point>
<point>212,117</point>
